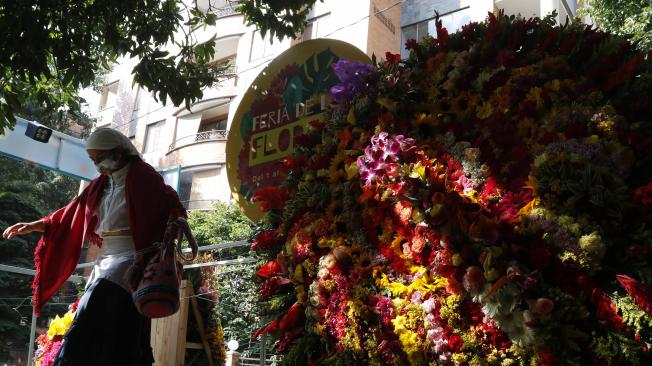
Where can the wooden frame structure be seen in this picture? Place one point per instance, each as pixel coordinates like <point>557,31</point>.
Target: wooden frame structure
<point>168,335</point>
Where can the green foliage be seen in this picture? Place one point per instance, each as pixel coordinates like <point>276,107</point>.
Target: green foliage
<point>65,45</point>
<point>225,222</point>
<point>281,18</point>
<point>613,346</point>
<point>302,350</point>
<point>233,285</point>
<point>634,317</point>
<point>27,193</point>
<point>630,18</point>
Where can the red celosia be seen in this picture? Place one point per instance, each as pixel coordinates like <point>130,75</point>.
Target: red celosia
<point>265,240</point>
<point>269,269</point>
<point>270,328</point>
<point>271,198</point>
<point>292,319</point>
<point>272,286</point>
<point>640,292</point>
<point>606,310</point>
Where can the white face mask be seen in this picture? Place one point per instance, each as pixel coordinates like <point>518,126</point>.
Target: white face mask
<point>106,166</point>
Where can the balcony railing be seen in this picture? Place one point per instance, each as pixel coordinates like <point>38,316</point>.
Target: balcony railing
<point>226,11</point>
<point>215,135</point>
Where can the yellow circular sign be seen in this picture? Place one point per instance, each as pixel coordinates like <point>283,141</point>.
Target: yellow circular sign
<point>288,94</point>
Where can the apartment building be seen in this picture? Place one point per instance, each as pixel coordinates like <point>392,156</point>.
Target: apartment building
<point>188,145</point>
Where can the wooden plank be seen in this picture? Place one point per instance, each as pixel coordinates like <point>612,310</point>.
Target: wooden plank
<point>165,335</point>
<point>185,291</point>
<point>202,332</point>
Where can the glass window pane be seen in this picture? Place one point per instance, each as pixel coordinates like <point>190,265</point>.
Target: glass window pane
<point>153,140</point>
<point>422,30</point>
<point>407,33</point>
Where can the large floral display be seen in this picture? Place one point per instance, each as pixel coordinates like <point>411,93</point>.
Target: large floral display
<point>486,201</point>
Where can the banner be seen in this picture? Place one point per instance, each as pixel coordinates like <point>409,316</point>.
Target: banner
<point>286,96</point>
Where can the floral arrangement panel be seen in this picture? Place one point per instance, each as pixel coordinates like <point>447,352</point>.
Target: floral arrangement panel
<point>486,201</point>
<point>48,344</point>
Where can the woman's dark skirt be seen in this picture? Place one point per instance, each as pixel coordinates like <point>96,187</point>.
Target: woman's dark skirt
<point>107,330</point>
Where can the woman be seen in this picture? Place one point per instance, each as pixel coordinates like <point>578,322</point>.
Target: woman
<point>125,210</point>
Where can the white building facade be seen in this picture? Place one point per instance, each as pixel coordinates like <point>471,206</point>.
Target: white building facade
<point>192,142</point>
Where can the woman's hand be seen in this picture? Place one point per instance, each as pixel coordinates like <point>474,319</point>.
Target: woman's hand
<point>23,228</point>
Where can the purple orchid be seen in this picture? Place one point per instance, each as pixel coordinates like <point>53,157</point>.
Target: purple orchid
<point>352,76</point>
<point>381,157</point>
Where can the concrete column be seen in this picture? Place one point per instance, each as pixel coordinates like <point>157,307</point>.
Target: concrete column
<point>232,358</point>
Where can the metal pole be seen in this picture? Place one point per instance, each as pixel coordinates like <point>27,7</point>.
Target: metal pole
<point>32,335</point>
<point>263,349</point>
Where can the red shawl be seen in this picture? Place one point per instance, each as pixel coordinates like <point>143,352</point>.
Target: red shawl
<point>150,203</point>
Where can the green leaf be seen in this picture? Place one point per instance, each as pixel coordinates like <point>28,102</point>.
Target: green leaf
<point>317,74</point>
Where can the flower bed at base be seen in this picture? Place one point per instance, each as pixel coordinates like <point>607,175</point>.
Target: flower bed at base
<point>484,202</point>
<point>48,344</point>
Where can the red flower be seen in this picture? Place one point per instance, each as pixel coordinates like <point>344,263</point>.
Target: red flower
<point>265,240</point>
<point>292,318</point>
<point>643,195</point>
<point>606,310</point>
<point>442,34</point>
<point>270,328</point>
<point>286,340</point>
<point>321,227</point>
<point>272,286</point>
<point>293,164</point>
<point>391,58</point>
<point>455,343</point>
<point>411,44</point>
<point>547,358</point>
<point>640,292</point>
<point>271,198</point>
<point>623,74</point>
<point>269,269</point>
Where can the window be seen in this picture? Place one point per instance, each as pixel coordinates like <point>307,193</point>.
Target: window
<point>261,48</point>
<point>197,186</point>
<point>138,106</point>
<point>452,21</point>
<point>109,95</point>
<point>153,137</point>
<point>316,27</point>
<point>213,124</point>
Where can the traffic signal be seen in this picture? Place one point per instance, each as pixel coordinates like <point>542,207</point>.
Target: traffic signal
<point>38,133</point>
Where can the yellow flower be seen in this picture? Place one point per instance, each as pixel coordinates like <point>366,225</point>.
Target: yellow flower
<point>388,103</point>
<point>529,207</point>
<point>351,170</point>
<point>535,95</point>
<point>484,111</point>
<point>423,118</point>
<point>336,170</point>
<point>59,326</point>
<point>457,259</point>
<point>396,243</point>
